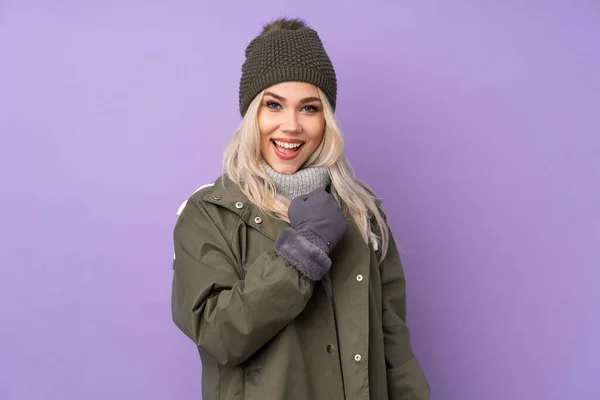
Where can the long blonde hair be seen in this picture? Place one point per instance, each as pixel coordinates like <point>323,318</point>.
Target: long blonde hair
<point>241,163</point>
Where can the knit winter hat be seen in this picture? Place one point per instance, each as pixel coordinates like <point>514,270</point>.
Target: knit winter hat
<point>286,50</point>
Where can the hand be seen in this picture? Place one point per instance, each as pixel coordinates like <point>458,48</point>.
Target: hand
<point>319,213</point>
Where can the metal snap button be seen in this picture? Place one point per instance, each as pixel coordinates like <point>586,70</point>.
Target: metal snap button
<point>359,277</point>
<point>330,349</point>
<point>357,358</point>
<point>239,205</point>
<point>215,197</point>
<point>258,220</point>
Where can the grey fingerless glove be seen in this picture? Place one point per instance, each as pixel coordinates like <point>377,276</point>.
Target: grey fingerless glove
<point>317,225</point>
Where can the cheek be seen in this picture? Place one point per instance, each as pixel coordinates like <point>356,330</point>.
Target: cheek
<point>317,131</point>
<point>266,124</point>
<point>264,129</point>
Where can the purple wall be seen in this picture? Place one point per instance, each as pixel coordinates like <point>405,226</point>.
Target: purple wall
<point>478,124</point>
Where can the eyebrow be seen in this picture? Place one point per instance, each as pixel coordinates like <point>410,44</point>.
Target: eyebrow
<point>304,100</point>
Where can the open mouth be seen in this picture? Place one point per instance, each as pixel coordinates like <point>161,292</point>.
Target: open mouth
<point>286,150</point>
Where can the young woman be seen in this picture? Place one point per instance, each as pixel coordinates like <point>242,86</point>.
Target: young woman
<point>286,276</point>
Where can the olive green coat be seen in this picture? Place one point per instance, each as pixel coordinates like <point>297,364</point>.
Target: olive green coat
<point>266,332</point>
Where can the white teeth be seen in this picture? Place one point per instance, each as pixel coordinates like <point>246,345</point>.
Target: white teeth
<point>286,145</point>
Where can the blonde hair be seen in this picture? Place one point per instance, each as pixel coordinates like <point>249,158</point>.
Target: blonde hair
<point>241,163</point>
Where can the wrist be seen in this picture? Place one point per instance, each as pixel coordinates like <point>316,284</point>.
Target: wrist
<point>316,240</point>
<point>302,254</point>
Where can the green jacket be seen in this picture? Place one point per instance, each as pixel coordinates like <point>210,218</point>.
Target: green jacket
<point>266,332</point>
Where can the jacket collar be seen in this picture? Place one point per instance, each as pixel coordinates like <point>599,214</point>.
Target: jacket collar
<point>227,194</point>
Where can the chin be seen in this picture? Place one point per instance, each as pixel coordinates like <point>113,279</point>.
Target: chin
<point>285,168</point>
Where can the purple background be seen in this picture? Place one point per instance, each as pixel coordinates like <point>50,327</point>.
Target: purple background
<point>478,122</point>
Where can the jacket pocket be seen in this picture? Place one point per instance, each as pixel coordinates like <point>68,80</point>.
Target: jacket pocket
<point>253,375</point>
<point>407,381</point>
<point>253,383</point>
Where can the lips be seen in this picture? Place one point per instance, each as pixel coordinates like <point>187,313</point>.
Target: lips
<point>286,149</point>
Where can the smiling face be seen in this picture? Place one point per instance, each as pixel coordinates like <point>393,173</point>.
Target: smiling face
<point>291,123</point>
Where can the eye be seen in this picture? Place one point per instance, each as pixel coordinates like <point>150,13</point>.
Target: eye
<point>274,105</point>
<point>310,109</point>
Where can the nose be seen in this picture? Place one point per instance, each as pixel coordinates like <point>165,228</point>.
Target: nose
<point>291,123</point>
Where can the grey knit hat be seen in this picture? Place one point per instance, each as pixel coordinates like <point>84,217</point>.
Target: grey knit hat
<point>286,50</point>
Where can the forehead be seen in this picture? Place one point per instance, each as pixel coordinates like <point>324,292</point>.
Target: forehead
<point>291,90</point>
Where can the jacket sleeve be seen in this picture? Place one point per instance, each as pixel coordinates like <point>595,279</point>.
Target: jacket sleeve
<point>405,377</point>
<point>228,316</point>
